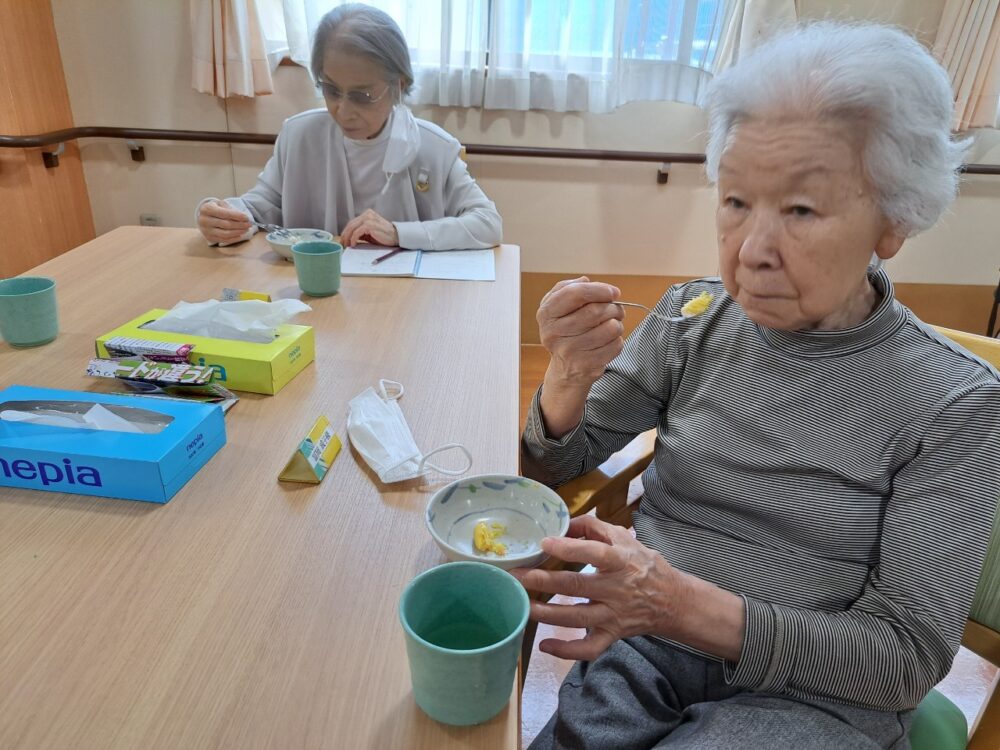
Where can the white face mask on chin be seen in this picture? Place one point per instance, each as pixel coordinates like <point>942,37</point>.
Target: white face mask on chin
<point>404,141</point>
<point>378,431</point>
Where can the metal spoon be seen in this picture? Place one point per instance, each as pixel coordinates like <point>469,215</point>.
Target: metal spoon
<point>664,318</point>
<point>274,229</point>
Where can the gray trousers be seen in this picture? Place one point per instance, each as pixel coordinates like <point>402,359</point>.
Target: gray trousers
<point>642,693</point>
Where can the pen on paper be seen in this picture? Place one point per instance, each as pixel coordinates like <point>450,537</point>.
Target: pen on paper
<point>388,255</point>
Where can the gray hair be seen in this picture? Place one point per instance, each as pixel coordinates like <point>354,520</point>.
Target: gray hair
<point>366,31</point>
<point>875,78</point>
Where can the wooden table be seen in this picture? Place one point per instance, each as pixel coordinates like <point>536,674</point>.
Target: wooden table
<point>247,613</point>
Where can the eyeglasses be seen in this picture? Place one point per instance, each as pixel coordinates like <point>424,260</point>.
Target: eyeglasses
<point>357,98</point>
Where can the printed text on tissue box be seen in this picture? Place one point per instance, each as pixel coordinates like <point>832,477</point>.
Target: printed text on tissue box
<point>51,473</point>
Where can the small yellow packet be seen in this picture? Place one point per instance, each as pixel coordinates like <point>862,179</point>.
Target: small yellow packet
<point>314,456</point>
<point>239,295</point>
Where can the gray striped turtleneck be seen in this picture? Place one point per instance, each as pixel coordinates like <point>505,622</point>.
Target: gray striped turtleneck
<point>842,482</point>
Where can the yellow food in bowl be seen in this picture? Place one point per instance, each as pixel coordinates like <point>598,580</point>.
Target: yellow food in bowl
<point>698,305</point>
<point>484,538</point>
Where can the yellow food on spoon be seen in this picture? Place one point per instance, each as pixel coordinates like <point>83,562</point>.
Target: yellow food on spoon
<point>484,538</point>
<point>698,305</point>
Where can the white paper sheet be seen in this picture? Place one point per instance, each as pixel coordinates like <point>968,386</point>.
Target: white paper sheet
<point>357,261</point>
<point>467,265</point>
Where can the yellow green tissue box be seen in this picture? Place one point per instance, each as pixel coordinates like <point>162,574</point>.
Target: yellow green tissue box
<point>238,365</point>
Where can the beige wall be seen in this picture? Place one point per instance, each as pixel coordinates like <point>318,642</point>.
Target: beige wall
<point>128,64</point>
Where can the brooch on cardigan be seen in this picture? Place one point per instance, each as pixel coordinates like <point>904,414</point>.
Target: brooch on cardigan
<point>423,180</point>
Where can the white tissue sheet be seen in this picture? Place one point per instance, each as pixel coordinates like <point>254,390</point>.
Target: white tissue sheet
<point>253,320</point>
<point>95,418</point>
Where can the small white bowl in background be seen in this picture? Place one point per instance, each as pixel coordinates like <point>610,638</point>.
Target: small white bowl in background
<point>529,510</point>
<point>282,243</point>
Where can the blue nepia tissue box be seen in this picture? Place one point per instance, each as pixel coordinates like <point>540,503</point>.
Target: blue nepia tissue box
<point>178,439</point>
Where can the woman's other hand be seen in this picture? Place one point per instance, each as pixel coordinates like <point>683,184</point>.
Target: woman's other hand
<point>220,222</point>
<point>369,227</point>
<point>581,327</point>
<point>634,591</point>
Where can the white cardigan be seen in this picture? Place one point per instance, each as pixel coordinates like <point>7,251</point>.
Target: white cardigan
<point>306,183</point>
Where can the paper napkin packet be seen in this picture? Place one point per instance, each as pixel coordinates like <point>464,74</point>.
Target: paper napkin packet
<point>165,373</point>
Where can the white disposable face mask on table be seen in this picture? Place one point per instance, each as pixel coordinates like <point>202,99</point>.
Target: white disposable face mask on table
<point>378,431</point>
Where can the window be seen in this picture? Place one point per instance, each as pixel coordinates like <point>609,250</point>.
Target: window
<point>652,30</point>
<point>563,55</point>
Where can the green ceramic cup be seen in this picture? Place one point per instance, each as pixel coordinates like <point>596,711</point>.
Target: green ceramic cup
<point>317,264</point>
<point>463,623</point>
<point>28,313</point>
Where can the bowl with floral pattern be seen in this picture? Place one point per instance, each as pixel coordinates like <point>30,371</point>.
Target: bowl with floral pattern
<point>499,519</point>
<point>281,242</point>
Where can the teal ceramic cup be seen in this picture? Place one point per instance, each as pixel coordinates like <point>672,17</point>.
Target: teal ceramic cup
<point>463,622</point>
<point>317,264</point>
<point>28,313</point>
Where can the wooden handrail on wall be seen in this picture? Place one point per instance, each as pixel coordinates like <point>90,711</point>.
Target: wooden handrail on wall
<point>51,158</point>
<point>130,135</point>
<point>150,134</point>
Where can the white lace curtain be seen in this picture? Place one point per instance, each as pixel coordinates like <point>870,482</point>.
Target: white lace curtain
<point>582,55</point>
<point>968,45</point>
<point>562,55</point>
<point>750,23</point>
<point>447,40</point>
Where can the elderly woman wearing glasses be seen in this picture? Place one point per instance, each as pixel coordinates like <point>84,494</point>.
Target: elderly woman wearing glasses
<point>364,167</point>
<point>826,467</point>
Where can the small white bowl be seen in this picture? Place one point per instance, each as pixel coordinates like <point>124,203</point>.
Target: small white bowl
<point>529,510</point>
<point>282,244</point>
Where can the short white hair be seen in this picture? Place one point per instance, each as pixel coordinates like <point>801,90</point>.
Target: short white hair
<point>873,77</point>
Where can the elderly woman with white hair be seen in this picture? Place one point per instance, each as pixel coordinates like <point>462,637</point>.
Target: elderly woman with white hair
<point>826,467</point>
<point>363,168</point>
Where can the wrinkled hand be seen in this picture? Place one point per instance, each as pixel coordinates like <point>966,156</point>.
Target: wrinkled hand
<point>369,227</point>
<point>634,591</point>
<point>220,222</point>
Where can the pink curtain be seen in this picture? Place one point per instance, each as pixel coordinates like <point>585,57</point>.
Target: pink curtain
<point>229,56</point>
<point>968,45</point>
